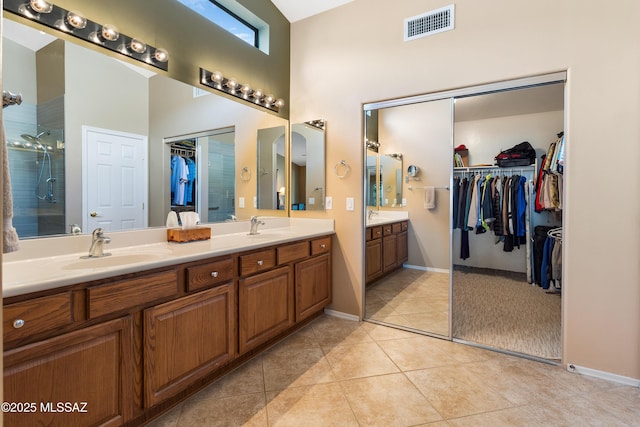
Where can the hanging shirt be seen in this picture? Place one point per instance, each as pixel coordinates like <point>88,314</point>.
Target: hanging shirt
<point>179,178</point>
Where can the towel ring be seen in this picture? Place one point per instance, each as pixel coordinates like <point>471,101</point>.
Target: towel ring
<point>342,165</point>
<point>245,174</point>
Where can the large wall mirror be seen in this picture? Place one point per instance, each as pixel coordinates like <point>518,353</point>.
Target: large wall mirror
<point>308,165</point>
<point>70,91</point>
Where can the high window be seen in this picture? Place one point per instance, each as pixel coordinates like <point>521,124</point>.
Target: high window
<point>230,16</point>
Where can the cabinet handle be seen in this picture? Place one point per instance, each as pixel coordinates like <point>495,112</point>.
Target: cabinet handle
<point>18,323</point>
<point>214,274</point>
<point>377,232</point>
<point>260,262</point>
<point>322,246</point>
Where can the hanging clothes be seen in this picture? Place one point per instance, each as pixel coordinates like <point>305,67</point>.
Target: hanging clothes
<point>179,178</point>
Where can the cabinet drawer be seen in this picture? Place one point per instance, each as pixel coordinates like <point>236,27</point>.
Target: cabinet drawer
<point>387,229</point>
<point>37,315</point>
<point>396,227</point>
<point>209,274</point>
<point>293,252</point>
<point>404,225</point>
<point>320,246</point>
<point>257,261</point>
<point>125,294</point>
<point>376,232</point>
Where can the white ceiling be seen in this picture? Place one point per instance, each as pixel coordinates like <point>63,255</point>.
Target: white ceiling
<point>295,10</point>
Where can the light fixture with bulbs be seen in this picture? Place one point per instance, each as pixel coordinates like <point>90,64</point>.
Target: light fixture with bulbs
<point>75,23</point>
<point>231,86</point>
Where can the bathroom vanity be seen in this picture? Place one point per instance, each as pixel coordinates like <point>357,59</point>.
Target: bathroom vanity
<point>118,344</point>
<point>386,246</point>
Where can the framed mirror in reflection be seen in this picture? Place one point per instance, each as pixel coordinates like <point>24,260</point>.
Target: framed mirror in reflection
<point>66,88</point>
<point>271,168</point>
<point>308,165</point>
<point>383,179</point>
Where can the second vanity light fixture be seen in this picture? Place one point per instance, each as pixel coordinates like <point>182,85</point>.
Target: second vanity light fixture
<point>216,80</point>
<point>75,23</point>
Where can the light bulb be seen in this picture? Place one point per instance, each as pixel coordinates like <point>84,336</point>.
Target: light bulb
<point>257,95</point>
<point>76,20</point>
<point>280,103</point>
<point>161,55</point>
<point>217,77</point>
<point>246,90</point>
<point>41,6</point>
<point>138,46</point>
<point>110,32</point>
<point>268,99</point>
<point>232,83</point>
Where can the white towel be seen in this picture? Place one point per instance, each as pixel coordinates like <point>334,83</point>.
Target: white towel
<point>10,236</point>
<point>429,197</point>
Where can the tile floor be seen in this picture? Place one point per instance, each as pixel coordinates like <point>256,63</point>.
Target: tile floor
<point>412,298</point>
<point>337,372</point>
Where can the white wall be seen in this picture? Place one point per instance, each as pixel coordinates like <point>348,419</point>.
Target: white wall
<point>363,58</point>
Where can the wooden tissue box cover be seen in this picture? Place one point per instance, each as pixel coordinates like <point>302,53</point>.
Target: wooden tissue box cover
<point>188,235</point>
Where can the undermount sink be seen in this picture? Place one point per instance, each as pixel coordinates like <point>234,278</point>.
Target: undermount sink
<point>109,261</point>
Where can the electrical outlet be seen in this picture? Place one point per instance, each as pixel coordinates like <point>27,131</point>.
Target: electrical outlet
<point>241,202</point>
<point>404,201</point>
<point>255,201</point>
<point>328,202</point>
<point>350,203</point>
<point>312,200</point>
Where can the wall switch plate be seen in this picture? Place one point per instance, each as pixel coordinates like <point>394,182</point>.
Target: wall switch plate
<point>241,202</point>
<point>255,201</point>
<point>350,203</point>
<point>404,201</point>
<point>328,202</point>
<point>312,200</point>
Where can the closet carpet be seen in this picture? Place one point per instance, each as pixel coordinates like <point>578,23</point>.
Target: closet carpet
<point>506,313</point>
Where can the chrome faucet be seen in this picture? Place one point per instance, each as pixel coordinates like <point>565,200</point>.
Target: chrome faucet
<point>97,243</point>
<point>255,222</point>
<point>371,213</point>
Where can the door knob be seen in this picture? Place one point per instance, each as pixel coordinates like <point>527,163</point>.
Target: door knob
<point>93,214</point>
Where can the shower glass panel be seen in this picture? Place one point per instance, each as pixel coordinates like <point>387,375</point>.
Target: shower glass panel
<point>36,165</point>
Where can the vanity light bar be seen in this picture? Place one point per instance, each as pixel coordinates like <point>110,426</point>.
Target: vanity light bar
<point>217,81</point>
<point>74,23</point>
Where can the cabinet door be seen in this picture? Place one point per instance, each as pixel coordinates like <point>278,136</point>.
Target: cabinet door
<point>389,257</point>
<point>374,259</point>
<point>91,369</point>
<point>265,307</point>
<point>313,286</point>
<point>402,248</point>
<point>186,339</point>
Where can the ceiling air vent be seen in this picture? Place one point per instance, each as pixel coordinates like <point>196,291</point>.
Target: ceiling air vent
<point>429,23</point>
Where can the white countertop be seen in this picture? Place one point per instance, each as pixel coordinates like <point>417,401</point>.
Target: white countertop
<point>34,268</point>
<point>386,217</point>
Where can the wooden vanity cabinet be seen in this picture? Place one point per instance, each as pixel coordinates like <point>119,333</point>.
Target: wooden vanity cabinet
<point>265,307</point>
<point>90,368</point>
<point>186,339</point>
<point>386,249</point>
<point>134,345</point>
<point>373,253</point>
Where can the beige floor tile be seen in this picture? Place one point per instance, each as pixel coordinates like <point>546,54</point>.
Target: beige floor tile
<point>321,405</point>
<point>388,400</point>
<point>435,323</point>
<point>416,353</point>
<point>246,410</point>
<point>331,330</point>
<point>295,368</point>
<point>382,333</point>
<point>529,415</point>
<point>169,419</point>
<point>247,379</point>
<point>463,353</point>
<point>454,393</point>
<point>359,360</point>
<point>614,406</point>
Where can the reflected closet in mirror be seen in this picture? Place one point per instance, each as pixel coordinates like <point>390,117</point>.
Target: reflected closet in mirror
<point>271,168</point>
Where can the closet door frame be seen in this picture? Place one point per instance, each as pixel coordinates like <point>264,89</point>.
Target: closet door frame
<point>453,94</point>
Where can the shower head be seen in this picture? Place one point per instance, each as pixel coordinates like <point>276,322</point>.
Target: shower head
<point>34,139</point>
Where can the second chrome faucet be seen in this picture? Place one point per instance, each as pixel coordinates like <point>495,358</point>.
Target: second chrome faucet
<point>98,240</point>
<point>255,222</point>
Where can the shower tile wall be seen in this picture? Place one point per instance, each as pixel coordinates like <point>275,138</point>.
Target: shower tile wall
<point>33,217</point>
<point>221,180</point>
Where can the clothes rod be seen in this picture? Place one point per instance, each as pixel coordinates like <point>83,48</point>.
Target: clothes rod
<point>423,188</point>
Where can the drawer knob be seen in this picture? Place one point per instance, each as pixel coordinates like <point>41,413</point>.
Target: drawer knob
<point>18,323</point>
<point>214,274</point>
<point>260,262</point>
<point>377,232</point>
<point>323,246</point>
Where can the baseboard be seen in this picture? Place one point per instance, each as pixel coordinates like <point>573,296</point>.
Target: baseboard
<point>603,375</point>
<point>342,315</point>
<point>419,267</point>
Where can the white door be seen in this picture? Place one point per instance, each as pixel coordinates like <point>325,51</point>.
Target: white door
<point>114,183</point>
